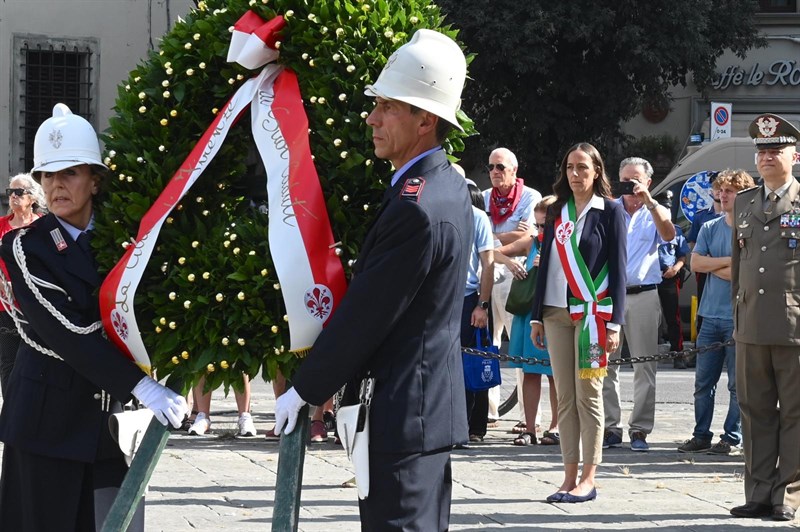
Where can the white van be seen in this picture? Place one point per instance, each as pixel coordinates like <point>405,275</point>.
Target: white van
<point>734,152</point>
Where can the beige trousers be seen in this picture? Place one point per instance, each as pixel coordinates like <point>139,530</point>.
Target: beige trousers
<point>580,401</point>
<point>642,316</point>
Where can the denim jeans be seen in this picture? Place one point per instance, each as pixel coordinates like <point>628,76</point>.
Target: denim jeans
<point>707,374</point>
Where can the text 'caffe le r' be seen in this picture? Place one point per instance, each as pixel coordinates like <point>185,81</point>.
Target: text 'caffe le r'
<point>783,72</point>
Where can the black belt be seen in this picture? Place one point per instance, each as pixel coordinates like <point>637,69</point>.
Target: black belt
<point>639,288</point>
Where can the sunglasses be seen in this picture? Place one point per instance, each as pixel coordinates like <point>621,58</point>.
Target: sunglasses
<point>17,191</point>
<point>500,167</point>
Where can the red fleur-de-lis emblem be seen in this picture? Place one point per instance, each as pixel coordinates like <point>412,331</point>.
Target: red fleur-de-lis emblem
<point>564,231</point>
<point>120,324</point>
<point>319,302</point>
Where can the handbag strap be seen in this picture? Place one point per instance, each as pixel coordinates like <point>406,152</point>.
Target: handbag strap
<point>479,338</point>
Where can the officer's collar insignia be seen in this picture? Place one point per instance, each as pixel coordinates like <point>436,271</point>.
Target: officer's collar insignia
<point>58,239</point>
<point>412,188</point>
<point>55,138</point>
<point>767,126</point>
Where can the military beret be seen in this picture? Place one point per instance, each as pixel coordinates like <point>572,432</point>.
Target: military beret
<point>769,131</point>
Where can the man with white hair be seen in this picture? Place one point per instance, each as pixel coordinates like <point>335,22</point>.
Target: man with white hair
<point>509,204</point>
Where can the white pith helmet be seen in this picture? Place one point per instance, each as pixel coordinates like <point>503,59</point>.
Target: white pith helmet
<point>64,140</point>
<point>427,72</point>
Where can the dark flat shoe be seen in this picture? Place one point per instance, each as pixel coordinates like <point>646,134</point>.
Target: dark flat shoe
<point>556,497</point>
<point>568,497</point>
<point>781,512</point>
<point>752,509</point>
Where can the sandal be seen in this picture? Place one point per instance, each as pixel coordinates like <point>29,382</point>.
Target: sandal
<point>319,434</point>
<point>519,428</point>
<point>526,438</point>
<point>550,438</point>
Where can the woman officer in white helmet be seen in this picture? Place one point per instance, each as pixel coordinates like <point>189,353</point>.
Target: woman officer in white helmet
<point>61,468</point>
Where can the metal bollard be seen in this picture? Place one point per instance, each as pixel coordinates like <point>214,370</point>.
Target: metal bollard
<point>291,456</point>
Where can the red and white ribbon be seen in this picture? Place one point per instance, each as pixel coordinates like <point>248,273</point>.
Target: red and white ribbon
<point>301,240</point>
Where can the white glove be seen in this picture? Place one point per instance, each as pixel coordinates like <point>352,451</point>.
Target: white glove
<point>286,408</point>
<point>166,405</point>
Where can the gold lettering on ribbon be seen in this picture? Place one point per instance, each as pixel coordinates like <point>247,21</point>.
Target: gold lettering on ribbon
<point>221,127</point>
<point>270,126</point>
<point>137,252</point>
<point>123,304</point>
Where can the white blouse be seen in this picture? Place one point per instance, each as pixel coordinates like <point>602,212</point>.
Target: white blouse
<point>555,293</point>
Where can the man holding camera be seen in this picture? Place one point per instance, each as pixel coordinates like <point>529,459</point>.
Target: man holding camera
<point>646,221</point>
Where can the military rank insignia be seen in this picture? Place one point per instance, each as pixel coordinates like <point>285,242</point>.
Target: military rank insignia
<point>412,188</point>
<point>58,239</point>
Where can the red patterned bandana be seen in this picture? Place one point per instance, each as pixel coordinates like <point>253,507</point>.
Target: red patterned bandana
<point>501,207</point>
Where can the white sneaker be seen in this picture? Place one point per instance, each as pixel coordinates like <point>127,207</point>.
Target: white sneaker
<point>201,425</point>
<point>246,426</point>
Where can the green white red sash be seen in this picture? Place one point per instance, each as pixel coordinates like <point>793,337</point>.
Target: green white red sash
<point>590,302</point>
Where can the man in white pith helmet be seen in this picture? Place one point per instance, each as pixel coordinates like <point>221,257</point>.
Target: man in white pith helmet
<point>400,319</point>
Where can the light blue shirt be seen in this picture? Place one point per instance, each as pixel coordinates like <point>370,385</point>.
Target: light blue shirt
<point>524,211</point>
<point>714,240</point>
<point>643,239</point>
<point>483,242</point>
<point>403,169</point>
<point>73,231</point>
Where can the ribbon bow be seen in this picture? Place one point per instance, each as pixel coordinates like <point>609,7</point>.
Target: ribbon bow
<point>253,40</point>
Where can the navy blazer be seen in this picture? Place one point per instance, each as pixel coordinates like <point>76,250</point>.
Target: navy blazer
<point>604,239</point>
<point>54,407</point>
<point>400,318</point>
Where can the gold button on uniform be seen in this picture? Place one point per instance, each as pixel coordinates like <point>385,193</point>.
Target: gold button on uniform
<point>97,396</point>
<point>763,248</point>
<point>760,290</point>
<point>761,270</point>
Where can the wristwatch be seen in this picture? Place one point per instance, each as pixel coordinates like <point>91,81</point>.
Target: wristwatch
<point>484,305</point>
<point>651,206</point>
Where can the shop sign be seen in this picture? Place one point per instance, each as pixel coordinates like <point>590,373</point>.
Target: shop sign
<point>784,72</point>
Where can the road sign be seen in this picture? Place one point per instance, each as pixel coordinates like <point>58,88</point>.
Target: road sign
<point>721,118</point>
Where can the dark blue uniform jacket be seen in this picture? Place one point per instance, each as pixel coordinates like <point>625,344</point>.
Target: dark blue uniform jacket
<point>400,318</point>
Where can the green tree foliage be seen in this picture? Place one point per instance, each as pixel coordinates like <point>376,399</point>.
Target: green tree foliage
<point>549,74</point>
<point>210,301</point>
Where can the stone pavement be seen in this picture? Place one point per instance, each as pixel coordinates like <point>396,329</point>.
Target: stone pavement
<point>220,482</point>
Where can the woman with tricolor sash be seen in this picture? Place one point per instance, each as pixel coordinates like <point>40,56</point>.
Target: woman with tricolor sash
<point>579,304</point>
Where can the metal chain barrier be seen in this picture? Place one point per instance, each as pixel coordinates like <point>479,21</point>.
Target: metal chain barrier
<point>616,362</point>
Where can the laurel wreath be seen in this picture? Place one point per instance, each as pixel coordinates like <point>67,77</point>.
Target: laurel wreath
<point>209,303</point>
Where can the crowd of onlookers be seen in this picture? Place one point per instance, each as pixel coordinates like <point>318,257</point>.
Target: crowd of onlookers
<point>609,264</point>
